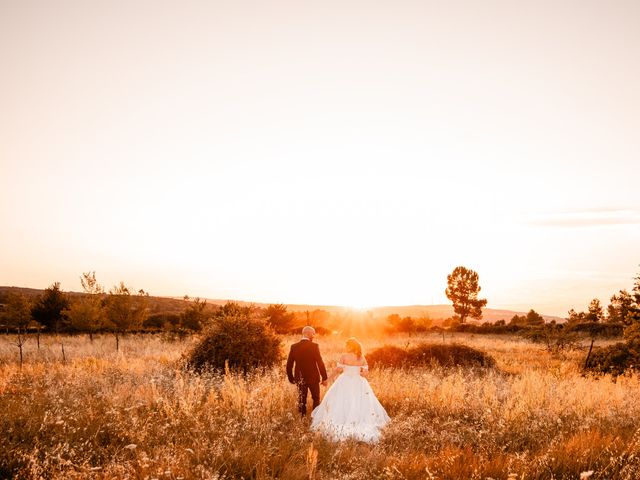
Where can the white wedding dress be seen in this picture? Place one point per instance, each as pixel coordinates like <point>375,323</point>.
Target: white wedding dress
<point>350,409</point>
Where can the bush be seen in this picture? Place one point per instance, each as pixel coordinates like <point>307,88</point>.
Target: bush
<point>616,359</point>
<point>388,356</point>
<point>397,324</point>
<point>446,355</point>
<point>597,329</point>
<point>557,338</point>
<point>195,316</point>
<point>632,333</point>
<point>450,355</point>
<point>487,328</point>
<point>242,342</point>
<point>279,318</point>
<point>160,321</point>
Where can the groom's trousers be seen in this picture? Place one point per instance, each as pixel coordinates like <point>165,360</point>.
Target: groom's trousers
<point>303,388</point>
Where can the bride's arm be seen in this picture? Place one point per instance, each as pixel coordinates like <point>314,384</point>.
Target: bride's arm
<point>364,370</point>
<point>337,370</point>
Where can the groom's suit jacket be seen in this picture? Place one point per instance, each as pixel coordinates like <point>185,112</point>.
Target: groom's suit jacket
<point>309,367</point>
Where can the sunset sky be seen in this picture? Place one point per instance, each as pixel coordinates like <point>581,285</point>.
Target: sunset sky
<point>341,152</point>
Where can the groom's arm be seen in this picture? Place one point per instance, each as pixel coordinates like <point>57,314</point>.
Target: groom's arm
<point>290,362</point>
<point>320,364</point>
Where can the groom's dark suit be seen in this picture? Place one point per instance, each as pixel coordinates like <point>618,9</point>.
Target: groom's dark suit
<point>309,368</point>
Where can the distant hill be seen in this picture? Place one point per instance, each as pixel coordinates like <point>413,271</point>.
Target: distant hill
<point>177,304</point>
<point>156,304</point>
<point>432,311</point>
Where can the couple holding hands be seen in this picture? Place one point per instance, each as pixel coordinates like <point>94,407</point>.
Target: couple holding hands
<point>349,408</point>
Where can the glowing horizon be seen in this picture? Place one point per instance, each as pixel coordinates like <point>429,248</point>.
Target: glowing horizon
<point>335,154</point>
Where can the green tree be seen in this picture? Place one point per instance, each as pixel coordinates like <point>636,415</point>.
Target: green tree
<point>125,312</point>
<point>162,321</point>
<point>534,318</point>
<point>48,309</point>
<point>87,313</point>
<point>621,308</point>
<point>462,290</point>
<point>595,312</point>
<point>576,317</point>
<point>617,358</point>
<point>398,324</point>
<point>234,309</point>
<point>279,318</point>
<point>90,285</point>
<point>634,314</point>
<point>17,316</point>
<point>194,317</point>
<point>423,323</point>
<point>632,333</point>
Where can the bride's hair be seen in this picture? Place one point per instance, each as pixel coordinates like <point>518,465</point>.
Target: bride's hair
<point>354,347</point>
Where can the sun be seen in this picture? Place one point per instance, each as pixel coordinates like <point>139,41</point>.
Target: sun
<point>361,301</point>
<point>361,307</point>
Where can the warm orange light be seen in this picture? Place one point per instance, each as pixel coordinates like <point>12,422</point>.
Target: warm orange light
<point>361,307</point>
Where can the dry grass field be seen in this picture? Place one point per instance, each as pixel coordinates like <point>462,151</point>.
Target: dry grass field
<point>136,415</point>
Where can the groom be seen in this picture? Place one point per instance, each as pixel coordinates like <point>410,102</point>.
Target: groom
<point>309,367</point>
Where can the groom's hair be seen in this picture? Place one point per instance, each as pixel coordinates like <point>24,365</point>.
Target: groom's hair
<point>308,329</point>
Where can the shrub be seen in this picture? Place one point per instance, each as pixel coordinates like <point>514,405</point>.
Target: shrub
<point>557,338</point>
<point>616,359</point>
<point>397,324</point>
<point>388,356</point>
<point>487,328</point>
<point>279,318</point>
<point>242,342</point>
<point>446,355</point>
<point>160,321</point>
<point>596,329</point>
<point>632,333</point>
<point>195,316</point>
<point>449,355</point>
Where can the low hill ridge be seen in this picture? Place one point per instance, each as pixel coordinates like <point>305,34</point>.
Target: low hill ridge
<point>432,311</point>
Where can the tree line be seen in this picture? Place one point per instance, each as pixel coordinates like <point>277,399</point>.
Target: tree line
<point>463,289</point>
<point>121,310</point>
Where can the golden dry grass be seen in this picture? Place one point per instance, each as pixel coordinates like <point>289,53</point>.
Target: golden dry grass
<point>136,415</point>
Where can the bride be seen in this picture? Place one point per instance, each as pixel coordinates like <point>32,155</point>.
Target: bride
<point>349,408</point>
